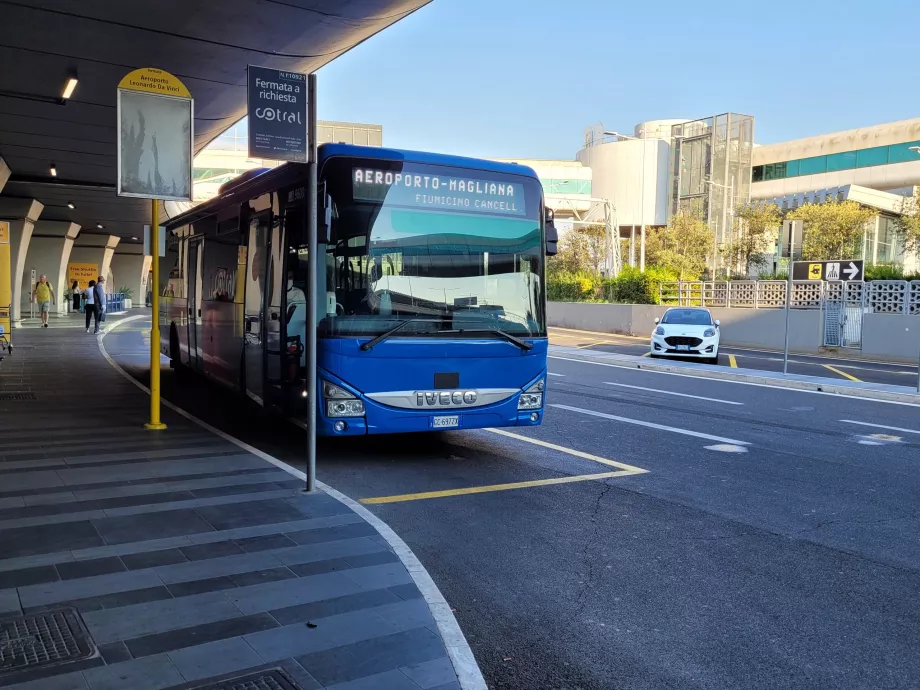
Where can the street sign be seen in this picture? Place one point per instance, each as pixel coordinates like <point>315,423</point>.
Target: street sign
<point>845,271</point>
<point>155,136</point>
<point>277,114</point>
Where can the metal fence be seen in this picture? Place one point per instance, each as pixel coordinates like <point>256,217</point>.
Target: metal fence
<point>876,297</point>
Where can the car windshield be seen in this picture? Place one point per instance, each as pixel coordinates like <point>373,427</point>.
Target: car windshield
<point>688,317</point>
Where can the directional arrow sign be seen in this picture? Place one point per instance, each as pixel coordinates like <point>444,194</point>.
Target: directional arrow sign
<point>852,271</point>
<point>832,271</point>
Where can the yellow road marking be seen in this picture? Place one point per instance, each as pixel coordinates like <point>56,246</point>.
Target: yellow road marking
<point>732,362</point>
<point>624,470</point>
<point>842,373</point>
<point>569,451</point>
<point>595,333</point>
<point>646,354</point>
<point>599,342</point>
<point>493,487</point>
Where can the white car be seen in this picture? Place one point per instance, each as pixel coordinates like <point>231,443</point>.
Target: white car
<point>686,332</point>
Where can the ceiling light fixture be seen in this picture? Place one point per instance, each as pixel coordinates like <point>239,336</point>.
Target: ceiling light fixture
<point>69,87</point>
<point>134,238</point>
<point>53,170</point>
<point>70,205</point>
<point>99,226</point>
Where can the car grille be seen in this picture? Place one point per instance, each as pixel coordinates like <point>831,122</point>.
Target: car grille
<point>676,340</point>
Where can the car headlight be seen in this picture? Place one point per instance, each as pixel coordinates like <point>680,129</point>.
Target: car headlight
<point>659,331</point>
<point>709,333</point>
<point>344,408</point>
<point>341,403</point>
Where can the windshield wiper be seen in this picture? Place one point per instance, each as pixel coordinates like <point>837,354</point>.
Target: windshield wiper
<point>369,345</point>
<point>514,340</point>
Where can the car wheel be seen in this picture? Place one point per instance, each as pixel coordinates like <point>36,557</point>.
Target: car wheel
<point>713,360</point>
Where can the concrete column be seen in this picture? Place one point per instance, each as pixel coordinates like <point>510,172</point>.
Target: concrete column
<point>49,253</point>
<point>130,269</point>
<point>22,215</point>
<point>90,248</point>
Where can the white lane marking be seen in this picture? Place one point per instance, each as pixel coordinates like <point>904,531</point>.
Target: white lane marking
<point>682,395</point>
<point>631,469</point>
<point>727,448</point>
<point>553,373</point>
<point>652,425</point>
<point>740,383</point>
<point>459,651</point>
<point>881,426</point>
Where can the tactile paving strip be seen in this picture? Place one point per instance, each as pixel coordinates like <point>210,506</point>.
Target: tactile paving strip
<point>272,679</point>
<point>43,639</point>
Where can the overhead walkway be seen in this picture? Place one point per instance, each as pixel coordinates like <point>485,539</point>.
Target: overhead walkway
<point>149,560</point>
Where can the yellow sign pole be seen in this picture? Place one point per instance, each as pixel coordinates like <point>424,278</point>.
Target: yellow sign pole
<point>6,285</point>
<point>155,424</point>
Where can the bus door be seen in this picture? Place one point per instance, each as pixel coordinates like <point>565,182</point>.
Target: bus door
<point>255,304</point>
<point>274,346</point>
<point>195,249</point>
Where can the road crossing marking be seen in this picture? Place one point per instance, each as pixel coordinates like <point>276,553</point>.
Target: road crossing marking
<point>842,373</point>
<point>651,425</point>
<point>682,395</point>
<point>881,426</point>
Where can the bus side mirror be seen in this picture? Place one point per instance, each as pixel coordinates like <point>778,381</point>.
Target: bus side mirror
<point>552,237</point>
<point>324,217</point>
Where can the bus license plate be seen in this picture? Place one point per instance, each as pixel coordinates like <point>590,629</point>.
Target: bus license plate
<point>445,422</point>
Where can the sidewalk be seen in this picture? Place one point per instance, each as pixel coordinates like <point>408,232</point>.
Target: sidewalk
<point>855,389</point>
<point>138,560</point>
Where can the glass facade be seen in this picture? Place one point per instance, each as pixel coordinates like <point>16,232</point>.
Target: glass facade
<point>237,137</point>
<point>710,170</point>
<point>847,160</point>
<point>551,186</point>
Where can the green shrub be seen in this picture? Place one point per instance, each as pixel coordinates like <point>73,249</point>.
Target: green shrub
<point>630,287</point>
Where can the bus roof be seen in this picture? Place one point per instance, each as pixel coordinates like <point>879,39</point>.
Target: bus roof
<point>290,171</point>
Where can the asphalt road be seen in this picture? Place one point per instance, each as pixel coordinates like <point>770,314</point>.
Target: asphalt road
<point>807,365</point>
<point>772,542</point>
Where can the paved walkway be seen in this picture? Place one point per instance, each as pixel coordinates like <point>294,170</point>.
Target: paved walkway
<point>148,560</point>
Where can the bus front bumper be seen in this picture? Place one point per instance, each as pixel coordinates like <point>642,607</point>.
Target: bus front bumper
<point>380,419</point>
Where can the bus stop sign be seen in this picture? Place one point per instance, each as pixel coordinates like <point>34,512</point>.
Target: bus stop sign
<point>845,271</point>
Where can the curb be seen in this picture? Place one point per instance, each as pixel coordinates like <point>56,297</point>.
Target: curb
<point>810,384</point>
<point>459,651</point>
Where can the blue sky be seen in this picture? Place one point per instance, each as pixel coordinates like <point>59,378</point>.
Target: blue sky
<point>523,78</point>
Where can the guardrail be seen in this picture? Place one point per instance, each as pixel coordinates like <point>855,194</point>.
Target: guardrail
<point>875,297</point>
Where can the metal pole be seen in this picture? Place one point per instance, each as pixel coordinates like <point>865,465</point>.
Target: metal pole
<point>788,305</point>
<point>312,273</point>
<point>642,209</point>
<point>155,424</point>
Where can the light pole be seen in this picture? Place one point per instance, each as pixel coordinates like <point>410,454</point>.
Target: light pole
<point>916,149</point>
<point>632,241</point>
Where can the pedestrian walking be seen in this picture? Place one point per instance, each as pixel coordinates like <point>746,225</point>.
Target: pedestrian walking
<point>76,295</point>
<point>89,305</point>
<point>99,299</point>
<point>43,294</point>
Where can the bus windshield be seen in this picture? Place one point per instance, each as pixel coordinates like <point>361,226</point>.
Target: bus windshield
<point>449,248</point>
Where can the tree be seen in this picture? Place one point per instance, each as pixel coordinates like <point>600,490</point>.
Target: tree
<point>756,237</point>
<point>684,246</point>
<point>583,250</point>
<point>907,225</point>
<point>833,230</point>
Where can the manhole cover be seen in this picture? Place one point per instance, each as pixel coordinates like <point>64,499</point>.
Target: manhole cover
<point>17,396</point>
<point>43,639</point>
<point>272,679</point>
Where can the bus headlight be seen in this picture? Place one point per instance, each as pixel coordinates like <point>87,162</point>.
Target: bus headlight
<point>341,403</point>
<point>344,408</point>
<point>532,398</point>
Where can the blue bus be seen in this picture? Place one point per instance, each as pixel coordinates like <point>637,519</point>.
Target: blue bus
<point>431,310</point>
